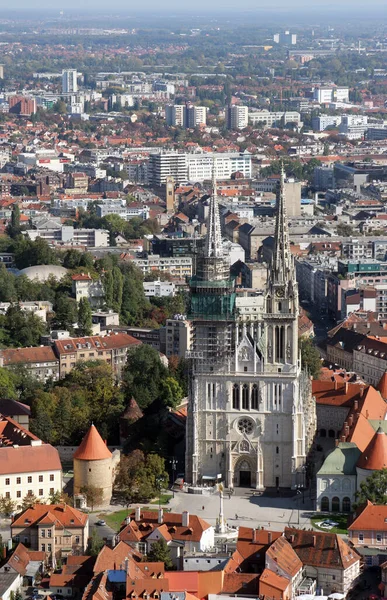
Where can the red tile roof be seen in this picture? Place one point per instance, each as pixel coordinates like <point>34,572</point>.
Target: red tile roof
<point>333,393</point>
<point>27,459</point>
<point>138,530</point>
<point>382,386</point>
<point>372,518</point>
<point>271,579</point>
<point>284,556</point>
<point>319,549</point>
<point>63,515</point>
<point>92,447</point>
<point>13,356</point>
<point>108,342</point>
<point>374,456</point>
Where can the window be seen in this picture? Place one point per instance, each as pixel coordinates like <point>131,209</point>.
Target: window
<point>7,481</point>
<point>245,426</point>
<point>18,494</point>
<point>379,537</point>
<point>52,491</point>
<point>43,547</point>
<point>235,396</point>
<point>29,479</point>
<point>277,450</point>
<point>245,397</point>
<point>51,477</point>
<point>40,478</point>
<point>40,492</point>
<point>43,533</point>
<point>360,537</point>
<point>18,480</point>
<point>325,504</point>
<point>77,539</point>
<point>7,494</point>
<point>335,504</point>
<point>254,397</point>
<point>346,504</point>
<point>49,547</point>
<point>49,533</point>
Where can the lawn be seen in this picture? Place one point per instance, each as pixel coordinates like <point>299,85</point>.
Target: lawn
<point>164,499</point>
<point>342,521</point>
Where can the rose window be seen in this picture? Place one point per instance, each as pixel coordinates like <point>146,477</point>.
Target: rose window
<point>245,426</point>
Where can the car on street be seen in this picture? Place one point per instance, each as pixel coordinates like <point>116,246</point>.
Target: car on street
<point>100,522</point>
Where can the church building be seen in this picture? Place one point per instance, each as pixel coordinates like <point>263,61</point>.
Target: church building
<point>251,417</point>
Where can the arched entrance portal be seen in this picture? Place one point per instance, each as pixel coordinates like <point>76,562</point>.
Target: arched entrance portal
<point>243,471</point>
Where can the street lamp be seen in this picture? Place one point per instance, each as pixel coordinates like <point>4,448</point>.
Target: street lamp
<point>298,504</point>
<point>173,463</point>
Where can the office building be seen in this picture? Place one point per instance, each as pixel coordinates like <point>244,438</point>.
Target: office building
<point>274,119</point>
<point>285,38</point>
<point>327,94</point>
<point>69,81</point>
<point>237,117</point>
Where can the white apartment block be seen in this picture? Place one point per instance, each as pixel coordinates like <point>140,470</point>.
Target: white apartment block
<point>126,212</point>
<point>353,126</point>
<point>178,337</point>
<point>271,119</point>
<point>175,115</point>
<point>323,121</point>
<point>326,94</point>
<point>197,167</point>
<point>69,81</point>
<point>237,117</point>
<point>178,267</point>
<point>159,289</point>
<point>185,115</point>
<point>67,235</point>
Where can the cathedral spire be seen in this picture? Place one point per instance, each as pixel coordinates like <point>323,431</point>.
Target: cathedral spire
<point>214,247</point>
<point>282,263</point>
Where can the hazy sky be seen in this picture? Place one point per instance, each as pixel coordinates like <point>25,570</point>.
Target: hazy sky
<point>128,6</point>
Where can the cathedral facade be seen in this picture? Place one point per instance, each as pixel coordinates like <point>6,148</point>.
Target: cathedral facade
<point>251,417</point>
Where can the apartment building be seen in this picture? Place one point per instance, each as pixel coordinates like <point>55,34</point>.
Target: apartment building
<point>237,117</point>
<point>273,119</point>
<point>127,212</point>
<point>27,465</point>
<point>84,286</point>
<point>178,267</point>
<point>111,349</point>
<point>322,122</point>
<point>327,94</point>
<point>41,363</point>
<point>167,164</point>
<point>69,81</point>
<point>185,115</point>
<point>58,529</point>
<point>159,289</point>
<point>179,334</point>
<point>68,235</point>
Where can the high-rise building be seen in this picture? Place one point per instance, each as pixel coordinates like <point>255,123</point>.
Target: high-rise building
<point>237,117</point>
<point>22,105</point>
<point>1,71</point>
<point>251,417</point>
<point>185,115</point>
<point>69,81</point>
<point>286,38</point>
<point>167,164</point>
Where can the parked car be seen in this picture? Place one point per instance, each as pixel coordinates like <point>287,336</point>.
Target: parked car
<point>101,522</point>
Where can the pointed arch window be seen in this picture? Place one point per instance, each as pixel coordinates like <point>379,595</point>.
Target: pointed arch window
<point>254,397</point>
<point>235,396</point>
<point>245,397</point>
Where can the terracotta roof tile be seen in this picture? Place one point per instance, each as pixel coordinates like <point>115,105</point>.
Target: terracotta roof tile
<point>374,456</point>
<point>284,556</point>
<point>65,515</point>
<point>92,447</point>
<point>271,580</point>
<point>382,385</point>
<point>320,549</point>
<point>372,517</point>
<point>26,459</point>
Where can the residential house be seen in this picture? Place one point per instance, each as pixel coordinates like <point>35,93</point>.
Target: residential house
<point>283,571</point>
<point>18,411</point>
<point>27,465</point>
<point>327,558</point>
<point>182,532</point>
<point>27,563</point>
<point>369,527</point>
<point>84,286</point>
<point>41,363</point>
<point>74,577</point>
<point>57,529</point>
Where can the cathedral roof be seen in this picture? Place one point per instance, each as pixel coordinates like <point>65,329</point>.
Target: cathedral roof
<point>375,455</point>
<point>92,447</point>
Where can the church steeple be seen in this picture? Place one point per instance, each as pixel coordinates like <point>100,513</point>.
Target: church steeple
<point>282,267</point>
<point>214,247</point>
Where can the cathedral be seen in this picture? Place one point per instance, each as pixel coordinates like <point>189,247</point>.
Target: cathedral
<point>251,417</point>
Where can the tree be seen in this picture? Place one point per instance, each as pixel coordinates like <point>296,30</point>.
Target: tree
<point>8,382</point>
<point>65,312</point>
<point>170,392</point>
<point>93,495</point>
<point>374,489</point>
<point>108,285</point>
<point>23,328</point>
<point>118,286</point>
<point>141,476</point>
<point>344,230</point>
<point>310,358</point>
<point>143,374</point>
<point>59,497</point>
<point>29,501</point>
<point>160,553</point>
<point>14,227</point>
<point>84,317</point>
<point>60,107</point>
<point>7,285</point>
<point>7,506</point>
<point>96,543</point>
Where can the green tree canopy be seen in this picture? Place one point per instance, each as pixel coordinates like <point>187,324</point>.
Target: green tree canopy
<point>160,552</point>
<point>310,358</point>
<point>143,375</point>
<point>85,321</point>
<point>374,489</point>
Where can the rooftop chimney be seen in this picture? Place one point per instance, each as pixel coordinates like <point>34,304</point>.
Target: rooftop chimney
<point>185,518</point>
<point>343,438</point>
<point>361,391</point>
<point>356,404</point>
<point>269,537</point>
<point>161,516</point>
<point>350,420</point>
<point>314,541</point>
<point>138,513</point>
<point>336,442</point>
<point>335,384</point>
<point>346,387</point>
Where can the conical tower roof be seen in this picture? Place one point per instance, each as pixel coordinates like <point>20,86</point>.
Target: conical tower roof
<point>374,456</point>
<point>382,386</point>
<point>92,447</point>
